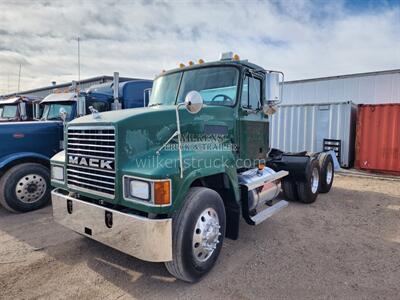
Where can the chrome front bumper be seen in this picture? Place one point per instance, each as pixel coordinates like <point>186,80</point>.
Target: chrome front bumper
<point>144,238</point>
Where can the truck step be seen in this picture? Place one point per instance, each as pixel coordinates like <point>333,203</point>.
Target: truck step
<point>269,212</point>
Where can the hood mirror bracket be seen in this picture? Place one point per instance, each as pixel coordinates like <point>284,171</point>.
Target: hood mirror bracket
<point>193,103</point>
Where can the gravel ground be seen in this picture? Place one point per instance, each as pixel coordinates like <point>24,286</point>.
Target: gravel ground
<point>346,246</point>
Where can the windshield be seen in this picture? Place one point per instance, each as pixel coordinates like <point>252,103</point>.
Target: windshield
<point>51,111</point>
<point>9,111</point>
<point>217,85</point>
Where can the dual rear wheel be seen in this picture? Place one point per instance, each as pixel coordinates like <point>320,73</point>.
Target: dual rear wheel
<point>319,179</point>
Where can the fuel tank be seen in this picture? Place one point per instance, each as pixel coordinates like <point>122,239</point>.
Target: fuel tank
<point>262,194</point>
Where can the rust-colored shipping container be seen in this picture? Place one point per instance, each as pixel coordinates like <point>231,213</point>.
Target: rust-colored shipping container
<point>378,138</point>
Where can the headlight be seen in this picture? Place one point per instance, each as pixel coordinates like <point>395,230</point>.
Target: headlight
<point>57,173</point>
<point>153,192</point>
<point>139,189</point>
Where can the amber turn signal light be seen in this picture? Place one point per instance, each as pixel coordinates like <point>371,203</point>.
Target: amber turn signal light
<point>162,192</point>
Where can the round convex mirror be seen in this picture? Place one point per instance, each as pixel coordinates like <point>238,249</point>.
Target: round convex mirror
<point>193,102</point>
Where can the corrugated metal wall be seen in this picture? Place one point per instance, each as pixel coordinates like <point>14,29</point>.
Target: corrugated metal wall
<point>378,138</point>
<point>297,128</point>
<point>381,87</point>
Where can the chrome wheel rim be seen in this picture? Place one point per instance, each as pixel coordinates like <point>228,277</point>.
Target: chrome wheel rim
<point>206,234</point>
<point>329,173</point>
<point>314,180</point>
<point>30,188</point>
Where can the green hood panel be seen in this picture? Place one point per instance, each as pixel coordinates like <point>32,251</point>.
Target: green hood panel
<point>145,131</point>
<point>117,115</point>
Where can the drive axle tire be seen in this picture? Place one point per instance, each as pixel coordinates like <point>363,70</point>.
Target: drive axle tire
<point>307,191</point>
<point>327,172</point>
<point>289,190</point>
<point>198,230</point>
<point>25,187</point>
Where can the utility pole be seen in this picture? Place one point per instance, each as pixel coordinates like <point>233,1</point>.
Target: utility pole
<point>19,77</point>
<point>79,64</point>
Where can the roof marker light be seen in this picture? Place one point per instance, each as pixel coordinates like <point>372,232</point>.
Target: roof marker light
<point>190,63</point>
<point>200,61</point>
<point>226,56</point>
<point>236,57</point>
<point>181,65</point>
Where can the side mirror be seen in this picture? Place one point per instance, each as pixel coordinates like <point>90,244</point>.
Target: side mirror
<point>22,111</point>
<point>193,102</point>
<point>81,106</point>
<point>63,114</point>
<point>273,86</point>
<point>146,96</point>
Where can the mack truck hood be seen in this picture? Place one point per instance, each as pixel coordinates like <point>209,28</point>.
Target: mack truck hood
<point>121,115</point>
<point>40,138</point>
<point>140,132</point>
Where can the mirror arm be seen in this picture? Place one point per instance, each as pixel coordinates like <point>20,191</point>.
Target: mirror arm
<point>178,123</point>
<point>167,142</point>
<point>250,110</point>
<point>178,134</point>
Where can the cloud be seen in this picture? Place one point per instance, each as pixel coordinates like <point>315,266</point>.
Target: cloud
<point>302,38</point>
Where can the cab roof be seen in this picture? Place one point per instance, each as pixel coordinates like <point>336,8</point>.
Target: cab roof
<point>61,97</point>
<point>18,99</point>
<point>236,63</point>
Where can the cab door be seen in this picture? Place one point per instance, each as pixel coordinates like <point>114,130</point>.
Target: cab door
<point>253,124</point>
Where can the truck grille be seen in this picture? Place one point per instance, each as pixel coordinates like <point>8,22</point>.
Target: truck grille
<point>91,159</point>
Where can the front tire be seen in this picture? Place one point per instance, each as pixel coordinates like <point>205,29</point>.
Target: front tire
<point>25,187</point>
<point>198,233</point>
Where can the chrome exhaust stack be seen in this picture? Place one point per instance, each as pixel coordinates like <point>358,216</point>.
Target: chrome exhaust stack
<point>116,105</point>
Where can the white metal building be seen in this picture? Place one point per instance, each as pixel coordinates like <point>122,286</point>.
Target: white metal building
<point>362,88</point>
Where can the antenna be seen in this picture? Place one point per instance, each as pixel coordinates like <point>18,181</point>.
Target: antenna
<point>19,77</point>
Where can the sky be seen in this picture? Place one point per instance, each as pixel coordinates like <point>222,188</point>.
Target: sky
<point>302,38</point>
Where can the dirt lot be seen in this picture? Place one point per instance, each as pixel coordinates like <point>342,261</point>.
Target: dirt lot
<point>346,245</point>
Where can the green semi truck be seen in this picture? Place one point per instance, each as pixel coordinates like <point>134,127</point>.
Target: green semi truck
<point>168,182</point>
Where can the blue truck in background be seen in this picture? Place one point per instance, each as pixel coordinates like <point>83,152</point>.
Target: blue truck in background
<point>26,147</point>
<point>19,108</point>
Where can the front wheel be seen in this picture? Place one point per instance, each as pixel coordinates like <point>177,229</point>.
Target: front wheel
<point>25,187</point>
<point>198,234</point>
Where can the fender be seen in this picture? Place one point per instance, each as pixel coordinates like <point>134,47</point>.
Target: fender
<point>6,160</point>
<point>230,171</point>
<point>232,207</point>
